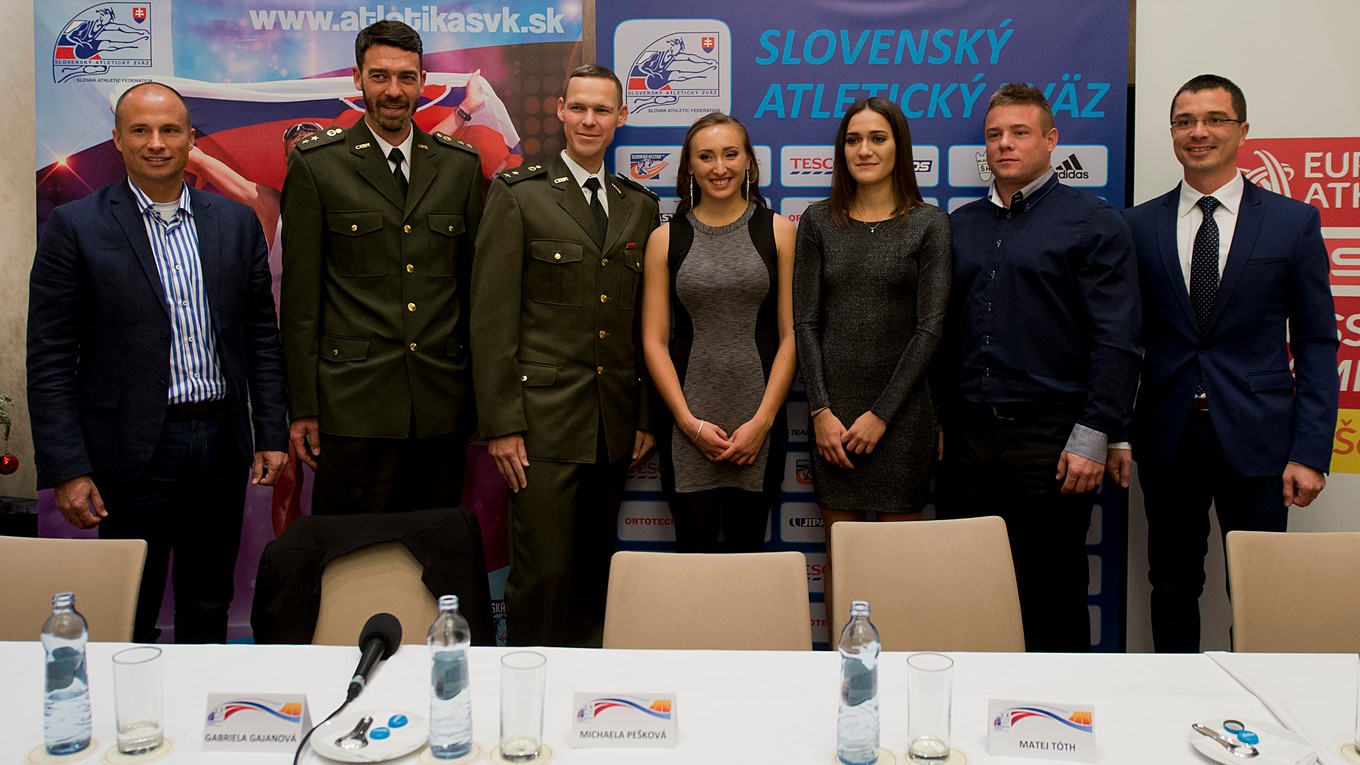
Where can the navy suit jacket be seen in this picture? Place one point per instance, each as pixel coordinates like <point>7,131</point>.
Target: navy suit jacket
<point>1274,300</point>
<point>99,335</point>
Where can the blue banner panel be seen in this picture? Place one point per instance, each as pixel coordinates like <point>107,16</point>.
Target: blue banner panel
<point>789,71</point>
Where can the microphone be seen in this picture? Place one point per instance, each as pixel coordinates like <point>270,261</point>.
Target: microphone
<point>381,637</point>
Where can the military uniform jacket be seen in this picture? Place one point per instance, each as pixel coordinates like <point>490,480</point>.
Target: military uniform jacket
<point>555,315</point>
<point>374,295</point>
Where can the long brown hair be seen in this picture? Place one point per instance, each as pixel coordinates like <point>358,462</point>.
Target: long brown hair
<point>906,192</point>
<point>683,176</point>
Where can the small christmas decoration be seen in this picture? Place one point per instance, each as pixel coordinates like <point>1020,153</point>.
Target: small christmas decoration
<point>8,462</point>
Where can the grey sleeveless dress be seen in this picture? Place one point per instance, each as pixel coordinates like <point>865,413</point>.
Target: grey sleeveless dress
<point>721,284</point>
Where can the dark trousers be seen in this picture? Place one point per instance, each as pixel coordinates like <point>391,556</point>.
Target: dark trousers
<point>740,517</point>
<point>1006,466</point>
<point>563,532</point>
<point>1176,497</point>
<point>388,475</point>
<point>189,501</point>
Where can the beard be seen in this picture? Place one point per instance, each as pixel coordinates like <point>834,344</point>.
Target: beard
<point>388,122</point>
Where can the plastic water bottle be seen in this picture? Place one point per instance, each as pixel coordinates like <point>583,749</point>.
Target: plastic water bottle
<point>857,722</point>
<point>66,706</point>
<point>450,696</point>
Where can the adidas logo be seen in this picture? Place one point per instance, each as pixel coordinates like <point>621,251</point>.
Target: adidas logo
<point>1071,169</point>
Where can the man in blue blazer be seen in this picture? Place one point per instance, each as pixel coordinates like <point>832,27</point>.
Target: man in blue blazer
<point>154,366</point>
<point>1234,280</point>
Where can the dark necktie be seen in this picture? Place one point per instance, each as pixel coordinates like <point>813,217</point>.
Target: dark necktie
<point>596,207</point>
<point>1204,269</point>
<point>1204,264</point>
<point>395,157</point>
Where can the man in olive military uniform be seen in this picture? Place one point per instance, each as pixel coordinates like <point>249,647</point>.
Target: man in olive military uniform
<point>562,393</point>
<point>379,223</point>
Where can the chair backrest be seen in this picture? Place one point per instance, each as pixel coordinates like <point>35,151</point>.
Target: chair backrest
<point>380,577</point>
<point>105,575</point>
<point>931,585</point>
<point>1295,592</point>
<point>739,601</point>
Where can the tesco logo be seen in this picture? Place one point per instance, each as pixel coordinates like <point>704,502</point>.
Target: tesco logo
<point>806,165</point>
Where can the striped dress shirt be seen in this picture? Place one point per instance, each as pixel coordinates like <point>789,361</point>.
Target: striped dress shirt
<point>195,373</point>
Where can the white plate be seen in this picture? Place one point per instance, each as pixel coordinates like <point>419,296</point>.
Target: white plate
<point>1277,746</point>
<point>388,738</point>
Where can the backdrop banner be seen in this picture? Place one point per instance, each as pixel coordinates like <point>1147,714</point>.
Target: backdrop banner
<point>789,72</point>
<point>261,74</point>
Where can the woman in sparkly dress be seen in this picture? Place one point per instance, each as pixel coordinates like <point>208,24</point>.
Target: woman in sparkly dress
<point>870,290</point>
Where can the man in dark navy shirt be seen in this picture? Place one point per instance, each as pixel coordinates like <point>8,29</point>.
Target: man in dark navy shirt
<point>1039,363</point>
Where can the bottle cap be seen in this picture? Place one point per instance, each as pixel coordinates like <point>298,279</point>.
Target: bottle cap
<point>448,602</point>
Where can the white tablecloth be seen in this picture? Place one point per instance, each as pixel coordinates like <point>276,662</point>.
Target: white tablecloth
<point>732,707</point>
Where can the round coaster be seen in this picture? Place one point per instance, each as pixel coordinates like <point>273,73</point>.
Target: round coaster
<point>884,758</point>
<point>1349,752</point>
<point>545,755</point>
<point>39,755</point>
<point>115,757</point>
<point>955,757</point>
<point>427,756</point>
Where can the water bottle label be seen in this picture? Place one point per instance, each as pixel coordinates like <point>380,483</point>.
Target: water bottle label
<point>65,667</point>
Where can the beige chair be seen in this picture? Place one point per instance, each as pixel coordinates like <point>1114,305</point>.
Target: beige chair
<point>1295,592</point>
<point>105,575</point>
<point>739,601</point>
<point>931,585</point>
<point>381,577</point>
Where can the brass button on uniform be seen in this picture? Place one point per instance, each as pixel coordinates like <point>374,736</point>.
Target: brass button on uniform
<point>406,229</point>
<point>557,256</point>
<point>411,307</point>
<point>413,346</point>
<point>353,227</point>
<point>410,268</point>
<point>604,298</point>
<point>599,370</point>
<point>604,261</point>
<point>524,378</point>
<point>335,351</point>
<point>450,229</point>
<point>603,334</point>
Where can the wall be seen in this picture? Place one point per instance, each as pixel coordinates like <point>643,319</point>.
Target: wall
<point>18,213</point>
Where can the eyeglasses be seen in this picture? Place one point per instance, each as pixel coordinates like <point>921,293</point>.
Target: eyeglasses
<point>1182,124</point>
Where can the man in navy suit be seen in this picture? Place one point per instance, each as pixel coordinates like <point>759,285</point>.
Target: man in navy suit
<point>154,366</point>
<point>1234,280</point>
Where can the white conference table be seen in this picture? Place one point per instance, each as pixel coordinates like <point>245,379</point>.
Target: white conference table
<point>732,706</point>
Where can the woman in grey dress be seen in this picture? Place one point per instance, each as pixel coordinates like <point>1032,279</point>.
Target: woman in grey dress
<point>717,331</point>
<point>870,290</point>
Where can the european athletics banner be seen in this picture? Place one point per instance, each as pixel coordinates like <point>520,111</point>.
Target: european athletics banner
<point>789,71</point>
<point>258,76</point>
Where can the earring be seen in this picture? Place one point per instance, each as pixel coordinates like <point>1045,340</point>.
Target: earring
<point>691,189</point>
<point>747,193</point>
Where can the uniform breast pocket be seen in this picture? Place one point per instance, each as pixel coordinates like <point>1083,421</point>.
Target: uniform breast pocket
<point>555,272</point>
<point>632,275</point>
<point>357,243</point>
<point>445,229</point>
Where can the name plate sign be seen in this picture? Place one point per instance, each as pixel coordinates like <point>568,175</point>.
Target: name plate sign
<point>237,722</point>
<point>625,720</point>
<point>1047,731</point>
